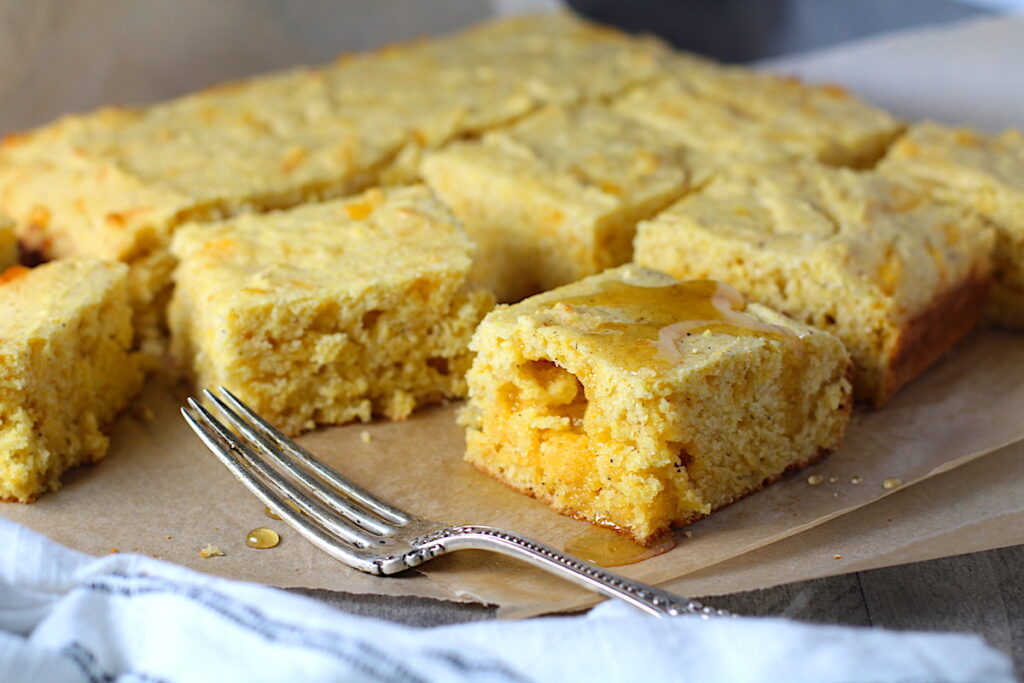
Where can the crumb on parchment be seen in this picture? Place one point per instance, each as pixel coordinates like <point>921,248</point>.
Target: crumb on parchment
<point>211,551</point>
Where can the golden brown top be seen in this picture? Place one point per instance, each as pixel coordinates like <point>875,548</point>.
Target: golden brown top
<point>889,238</point>
<point>644,321</point>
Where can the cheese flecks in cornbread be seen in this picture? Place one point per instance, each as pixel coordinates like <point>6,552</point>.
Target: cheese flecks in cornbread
<point>330,312</point>
<point>761,117</point>
<point>986,174</point>
<point>895,275</point>
<point>8,243</point>
<point>117,183</point>
<point>556,197</point>
<point>65,339</point>
<point>638,402</point>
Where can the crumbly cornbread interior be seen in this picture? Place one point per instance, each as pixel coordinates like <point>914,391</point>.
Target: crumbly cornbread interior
<point>860,255</point>
<point>329,312</point>
<point>636,402</point>
<point>984,173</point>
<point>65,340</point>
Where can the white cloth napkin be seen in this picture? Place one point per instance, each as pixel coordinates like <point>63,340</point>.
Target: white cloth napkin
<point>65,616</point>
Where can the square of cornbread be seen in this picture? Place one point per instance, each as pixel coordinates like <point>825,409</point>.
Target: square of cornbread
<point>896,275</point>
<point>67,370</point>
<point>760,117</point>
<point>556,197</point>
<point>638,402</point>
<point>329,312</point>
<point>985,173</point>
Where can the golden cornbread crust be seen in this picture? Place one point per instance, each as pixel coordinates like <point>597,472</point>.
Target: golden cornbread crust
<point>874,260</point>
<point>330,312</point>
<point>590,399</point>
<point>556,196</point>
<point>985,174</point>
<point>65,335</point>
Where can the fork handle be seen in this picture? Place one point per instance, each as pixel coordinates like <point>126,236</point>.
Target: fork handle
<point>652,600</point>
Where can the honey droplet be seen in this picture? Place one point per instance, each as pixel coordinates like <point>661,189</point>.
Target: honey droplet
<point>270,513</point>
<point>262,538</point>
<point>892,483</point>
<point>605,548</point>
<point>815,479</point>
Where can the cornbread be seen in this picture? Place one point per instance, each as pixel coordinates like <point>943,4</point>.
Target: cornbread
<point>117,183</point>
<point>65,335</point>
<point>760,117</point>
<point>637,402</point>
<point>556,197</point>
<point>898,277</point>
<point>986,174</point>
<point>329,312</point>
<point>8,243</point>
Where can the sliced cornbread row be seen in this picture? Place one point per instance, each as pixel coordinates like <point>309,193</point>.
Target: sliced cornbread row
<point>329,312</point>
<point>116,184</point>
<point>896,275</point>
<point>984,173</point>
<point>65,339</point>
<point>634,401</point>
<point>556,197</point>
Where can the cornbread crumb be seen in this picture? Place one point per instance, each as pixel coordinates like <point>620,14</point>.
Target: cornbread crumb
<point>856,481</point>
<point>590,398</point>
<point>365,437</point>
<point>68,370</point>
<point>210,551</point>
<point>815,479</point>
<point>892,483</point>
<point>314,317</point>
<point>897,276</point>
<point>984,173</point>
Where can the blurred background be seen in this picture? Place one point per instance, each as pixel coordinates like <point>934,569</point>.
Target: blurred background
<point>74,55</point>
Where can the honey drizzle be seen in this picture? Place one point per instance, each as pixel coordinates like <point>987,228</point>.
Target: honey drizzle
<point>606,548</point>
<point>661,316</point>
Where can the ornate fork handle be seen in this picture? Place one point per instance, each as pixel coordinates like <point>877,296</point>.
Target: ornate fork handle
<point>647,598</point>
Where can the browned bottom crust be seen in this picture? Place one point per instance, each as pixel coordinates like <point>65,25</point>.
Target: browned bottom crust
<point>930,334</point>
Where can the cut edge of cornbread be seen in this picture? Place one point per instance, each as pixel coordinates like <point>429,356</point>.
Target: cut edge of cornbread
<point>68,371</point>
<point>899,291</point>
<point>8,243</point>
<point>556,412</point>
<point>330,312</point>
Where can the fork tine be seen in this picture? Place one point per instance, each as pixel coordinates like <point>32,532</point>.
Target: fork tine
<point>326,473</point>
<point>333,546</point>
<point>354,513</point>
<point>229,448</point>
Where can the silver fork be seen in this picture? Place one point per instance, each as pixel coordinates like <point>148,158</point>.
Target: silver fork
<point>366,533</point>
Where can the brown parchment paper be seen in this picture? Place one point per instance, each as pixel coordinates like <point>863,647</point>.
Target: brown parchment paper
<point>160,493</point>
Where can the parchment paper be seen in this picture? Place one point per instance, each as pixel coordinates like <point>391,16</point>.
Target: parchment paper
<point>160,493</point>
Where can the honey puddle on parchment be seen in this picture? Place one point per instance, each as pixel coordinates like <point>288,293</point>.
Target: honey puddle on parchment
<point>605,548</point>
